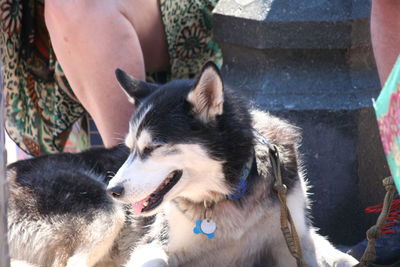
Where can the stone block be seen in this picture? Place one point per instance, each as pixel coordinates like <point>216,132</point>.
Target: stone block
<point>311,62</point>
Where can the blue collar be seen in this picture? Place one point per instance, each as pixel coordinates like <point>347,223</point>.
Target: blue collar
<point>241,187</point>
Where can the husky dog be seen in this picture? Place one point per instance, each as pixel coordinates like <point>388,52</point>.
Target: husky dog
<point>195,190</point>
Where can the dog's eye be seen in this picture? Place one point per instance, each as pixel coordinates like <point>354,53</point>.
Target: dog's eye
<point>148,149</point>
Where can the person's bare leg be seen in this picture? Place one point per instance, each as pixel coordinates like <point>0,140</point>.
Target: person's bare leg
<point>91,39</point>
<point>385,35</point>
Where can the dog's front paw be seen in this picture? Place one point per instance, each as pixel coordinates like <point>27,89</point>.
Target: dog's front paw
<point>149,255</point>
<point>345,261</point>
<point>154,263</point>
<point>141,262</point>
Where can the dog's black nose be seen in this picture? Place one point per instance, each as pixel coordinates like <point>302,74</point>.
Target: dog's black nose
<point>116,191</point>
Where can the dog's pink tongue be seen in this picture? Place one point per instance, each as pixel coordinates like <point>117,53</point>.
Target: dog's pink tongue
<point>138,206</point>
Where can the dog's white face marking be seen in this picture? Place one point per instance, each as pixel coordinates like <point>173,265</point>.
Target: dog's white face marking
<point>130,139</point>
<point>202,176</point>
<point>144,140</point>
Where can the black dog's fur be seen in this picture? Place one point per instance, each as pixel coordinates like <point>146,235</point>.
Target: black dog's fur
<point>66,183</point>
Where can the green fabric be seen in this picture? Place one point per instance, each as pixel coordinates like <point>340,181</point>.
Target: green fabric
<point>40,105</point>
<point>188,29</point>
<point>387,108</point>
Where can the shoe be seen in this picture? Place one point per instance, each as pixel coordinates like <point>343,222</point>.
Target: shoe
<point>388,244</point>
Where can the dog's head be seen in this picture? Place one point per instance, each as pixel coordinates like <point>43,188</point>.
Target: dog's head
<point>184,140</point>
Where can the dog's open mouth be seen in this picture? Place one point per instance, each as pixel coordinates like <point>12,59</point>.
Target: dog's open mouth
<point>154,199</point>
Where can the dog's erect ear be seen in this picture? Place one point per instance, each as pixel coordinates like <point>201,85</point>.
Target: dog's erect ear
<point>207,96</point>
<point>134,88</point>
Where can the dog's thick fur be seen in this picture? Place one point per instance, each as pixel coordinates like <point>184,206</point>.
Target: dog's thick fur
<point>200,134</point>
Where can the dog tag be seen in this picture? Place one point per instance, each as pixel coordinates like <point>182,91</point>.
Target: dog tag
<point>206,227</point>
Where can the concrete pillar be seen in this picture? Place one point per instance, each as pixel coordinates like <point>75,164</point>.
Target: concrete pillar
<point>311,61</point>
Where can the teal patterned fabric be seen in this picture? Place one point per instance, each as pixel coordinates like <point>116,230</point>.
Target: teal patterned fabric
<point>387,108</point>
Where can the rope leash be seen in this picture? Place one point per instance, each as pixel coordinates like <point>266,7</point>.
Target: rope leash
<point>289,230</point>
<point>287,225</point>
<point>374,232</point>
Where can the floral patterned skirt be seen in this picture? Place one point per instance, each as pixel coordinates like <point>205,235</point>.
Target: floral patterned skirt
<point>40,105</point>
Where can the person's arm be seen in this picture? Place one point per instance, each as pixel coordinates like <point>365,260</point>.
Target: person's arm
<point>93,38</point>
<point>385,35</point>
